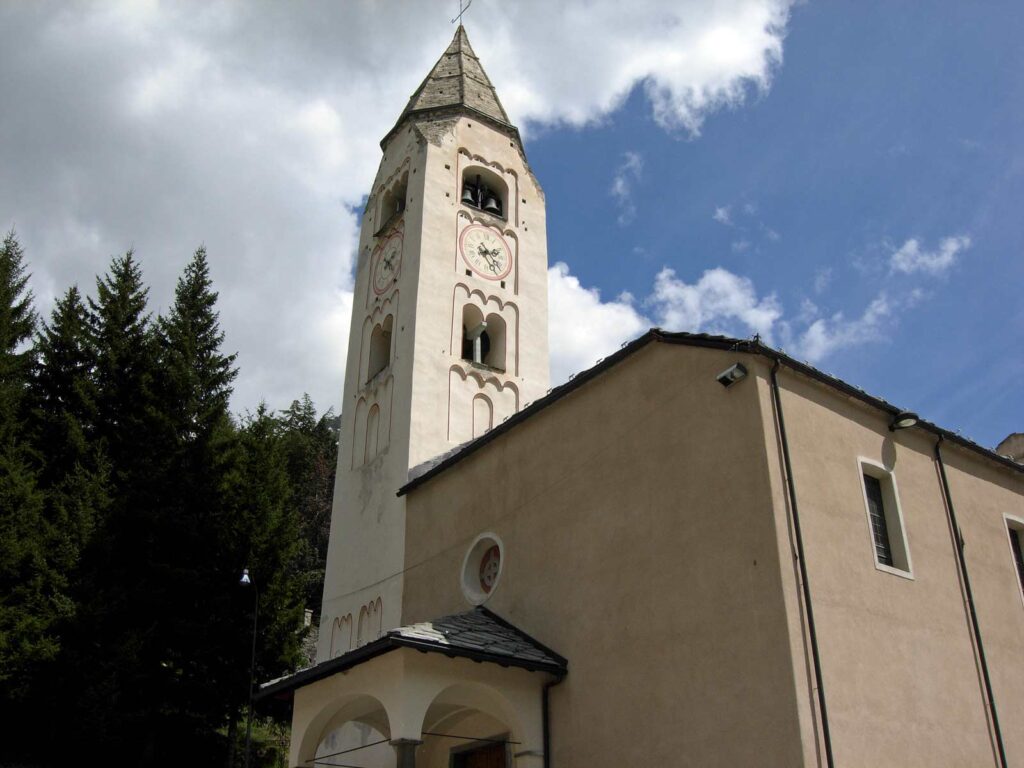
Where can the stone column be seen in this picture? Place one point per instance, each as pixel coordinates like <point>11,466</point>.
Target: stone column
<point>405,752</point>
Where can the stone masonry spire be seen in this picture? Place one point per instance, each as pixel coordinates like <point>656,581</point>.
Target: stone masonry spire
<point>456,85</point>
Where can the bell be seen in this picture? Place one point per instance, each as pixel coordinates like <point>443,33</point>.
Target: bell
<point>468,195</point>
<point>492,205</point>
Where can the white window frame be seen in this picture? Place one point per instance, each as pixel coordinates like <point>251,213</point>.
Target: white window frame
<point>898,543</point>
<point>1017,523</point>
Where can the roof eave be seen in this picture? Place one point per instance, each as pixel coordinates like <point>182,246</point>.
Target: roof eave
<point>389,642</point>
<point>452,110</point>
<point>748,346</point>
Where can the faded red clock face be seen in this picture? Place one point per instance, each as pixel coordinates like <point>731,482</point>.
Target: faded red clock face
<point>490,564</point>
<point>389,263</point>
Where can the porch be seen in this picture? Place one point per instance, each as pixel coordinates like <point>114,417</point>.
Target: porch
<point>462,691</point>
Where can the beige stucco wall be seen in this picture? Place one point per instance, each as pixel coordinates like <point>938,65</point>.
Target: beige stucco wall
<point>639,541</point>
<point>982,495</point>
<point>898,665</point>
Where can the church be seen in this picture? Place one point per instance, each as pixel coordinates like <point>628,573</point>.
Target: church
<point>698,552</point>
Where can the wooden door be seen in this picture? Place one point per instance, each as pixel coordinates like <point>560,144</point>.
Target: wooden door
<point>491,756</point>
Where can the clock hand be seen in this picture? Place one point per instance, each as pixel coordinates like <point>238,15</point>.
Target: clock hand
<point>494,254</point>
<point>488,256</point>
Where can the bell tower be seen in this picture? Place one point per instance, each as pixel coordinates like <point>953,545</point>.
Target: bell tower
<point>449,325</point>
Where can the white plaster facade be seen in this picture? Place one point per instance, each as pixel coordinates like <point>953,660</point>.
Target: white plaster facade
<point>426,399</point>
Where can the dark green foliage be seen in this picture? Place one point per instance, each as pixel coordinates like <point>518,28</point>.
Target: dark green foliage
<point>17,322</point>
<point>130,501</point>
<point>311,453</point>
<point>267,527</point>
<point>32,594</point>
<point>125,364</point>
<point>63,392</point>
<point>72,469</point>
<point>196,376</point>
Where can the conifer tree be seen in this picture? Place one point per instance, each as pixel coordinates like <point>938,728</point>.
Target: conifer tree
<point>116,662</point>
<point>32,594</point>
<point>311,453</point>
<point>73,471</point>
<point>195,374</point>
<point>199,439</point>
<point>124,349</point>
<point>17,322</point>
<point>63,392</point>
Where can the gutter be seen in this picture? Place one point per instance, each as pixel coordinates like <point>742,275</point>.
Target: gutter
<point>958,545</point>
<point>815,653</point>
<point>545,710</point>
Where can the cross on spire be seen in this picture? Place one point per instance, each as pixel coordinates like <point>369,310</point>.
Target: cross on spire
<point>462,10</point>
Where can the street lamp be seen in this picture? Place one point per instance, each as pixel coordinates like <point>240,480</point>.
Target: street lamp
<point>246,581</point>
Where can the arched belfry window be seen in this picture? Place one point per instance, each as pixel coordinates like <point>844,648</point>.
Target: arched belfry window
<point>483,340</point>
<point>380,347</point>
<point>476,342</point>
<point>494,356</point>
<point>484,190</point>
<point>392,204</point>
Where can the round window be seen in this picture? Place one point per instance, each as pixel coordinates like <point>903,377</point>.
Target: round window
<point>481,568</point>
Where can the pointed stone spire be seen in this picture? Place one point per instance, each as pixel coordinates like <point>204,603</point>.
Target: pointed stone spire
<point>456,84</point>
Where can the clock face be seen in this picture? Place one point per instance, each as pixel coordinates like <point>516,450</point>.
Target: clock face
<point>486,252</point>
<point>490,565</point>
<point>389,262</point>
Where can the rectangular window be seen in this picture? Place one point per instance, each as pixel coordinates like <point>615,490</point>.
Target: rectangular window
<point>885,519</point>
<point>876,512</point>
<point>1015,528</point>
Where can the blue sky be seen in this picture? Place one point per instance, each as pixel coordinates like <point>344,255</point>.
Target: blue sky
<point>886,122</point>
<point>845,178</point>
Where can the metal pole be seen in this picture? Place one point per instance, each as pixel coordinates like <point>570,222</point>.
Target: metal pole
<point>252,672</point>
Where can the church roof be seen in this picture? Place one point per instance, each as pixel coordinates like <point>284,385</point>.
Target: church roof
<point>479,635</point>
<point>457,83</point>
<point>423,472</point>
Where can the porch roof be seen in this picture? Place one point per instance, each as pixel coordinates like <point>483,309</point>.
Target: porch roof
<point>480,635</point>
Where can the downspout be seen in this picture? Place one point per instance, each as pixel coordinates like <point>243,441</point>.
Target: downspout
<point>544,713</point>
<point>976,630</point>
<point>815,655</point>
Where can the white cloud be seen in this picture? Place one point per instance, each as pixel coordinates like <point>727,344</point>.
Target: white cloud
<point>826,336</point>
<point>910,257</point>
<point>719,302</point>
<point>584,328</point>
<point>723,215</point>
<point>581,327</point>
<point>740,246</point>
<point>253,128</point>
<point>622,185</point>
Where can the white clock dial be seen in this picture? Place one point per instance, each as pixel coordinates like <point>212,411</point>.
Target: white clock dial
<point>389,262</point>
<point>486,252</point>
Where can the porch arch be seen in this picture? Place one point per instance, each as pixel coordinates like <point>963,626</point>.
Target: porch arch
<point>352,708</point>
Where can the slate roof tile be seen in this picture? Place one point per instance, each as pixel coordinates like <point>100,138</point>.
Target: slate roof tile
<point>479,631</point>
<point>456,81</point>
